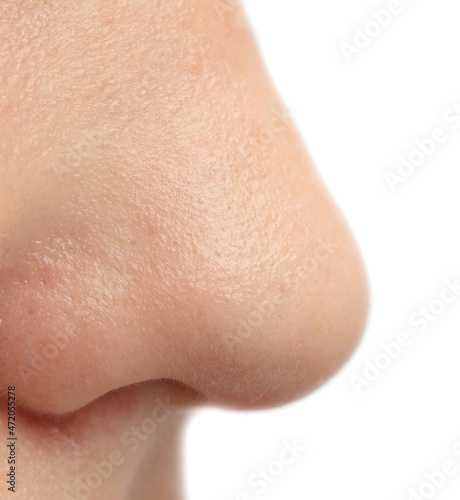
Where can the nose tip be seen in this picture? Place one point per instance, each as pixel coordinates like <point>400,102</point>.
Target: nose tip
<point>290,340</point>
<point>279,297</point>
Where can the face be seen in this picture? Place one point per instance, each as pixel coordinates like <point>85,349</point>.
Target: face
<point>163,230</point>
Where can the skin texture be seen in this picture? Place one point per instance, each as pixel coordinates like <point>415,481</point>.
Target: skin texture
<point>162,227</point>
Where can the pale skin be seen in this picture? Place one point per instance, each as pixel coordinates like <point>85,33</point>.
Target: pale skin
<point>166,241</point>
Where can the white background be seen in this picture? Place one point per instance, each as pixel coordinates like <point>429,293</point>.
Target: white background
<point>357,119</point>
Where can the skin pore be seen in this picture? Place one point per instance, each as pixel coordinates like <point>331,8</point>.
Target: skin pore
<point>165,241</point>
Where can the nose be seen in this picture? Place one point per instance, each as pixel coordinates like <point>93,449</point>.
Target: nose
<point>193,240</point>
<point>252,300</point>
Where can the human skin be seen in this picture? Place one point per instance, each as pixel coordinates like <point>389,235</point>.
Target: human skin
<point>164,239</point>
